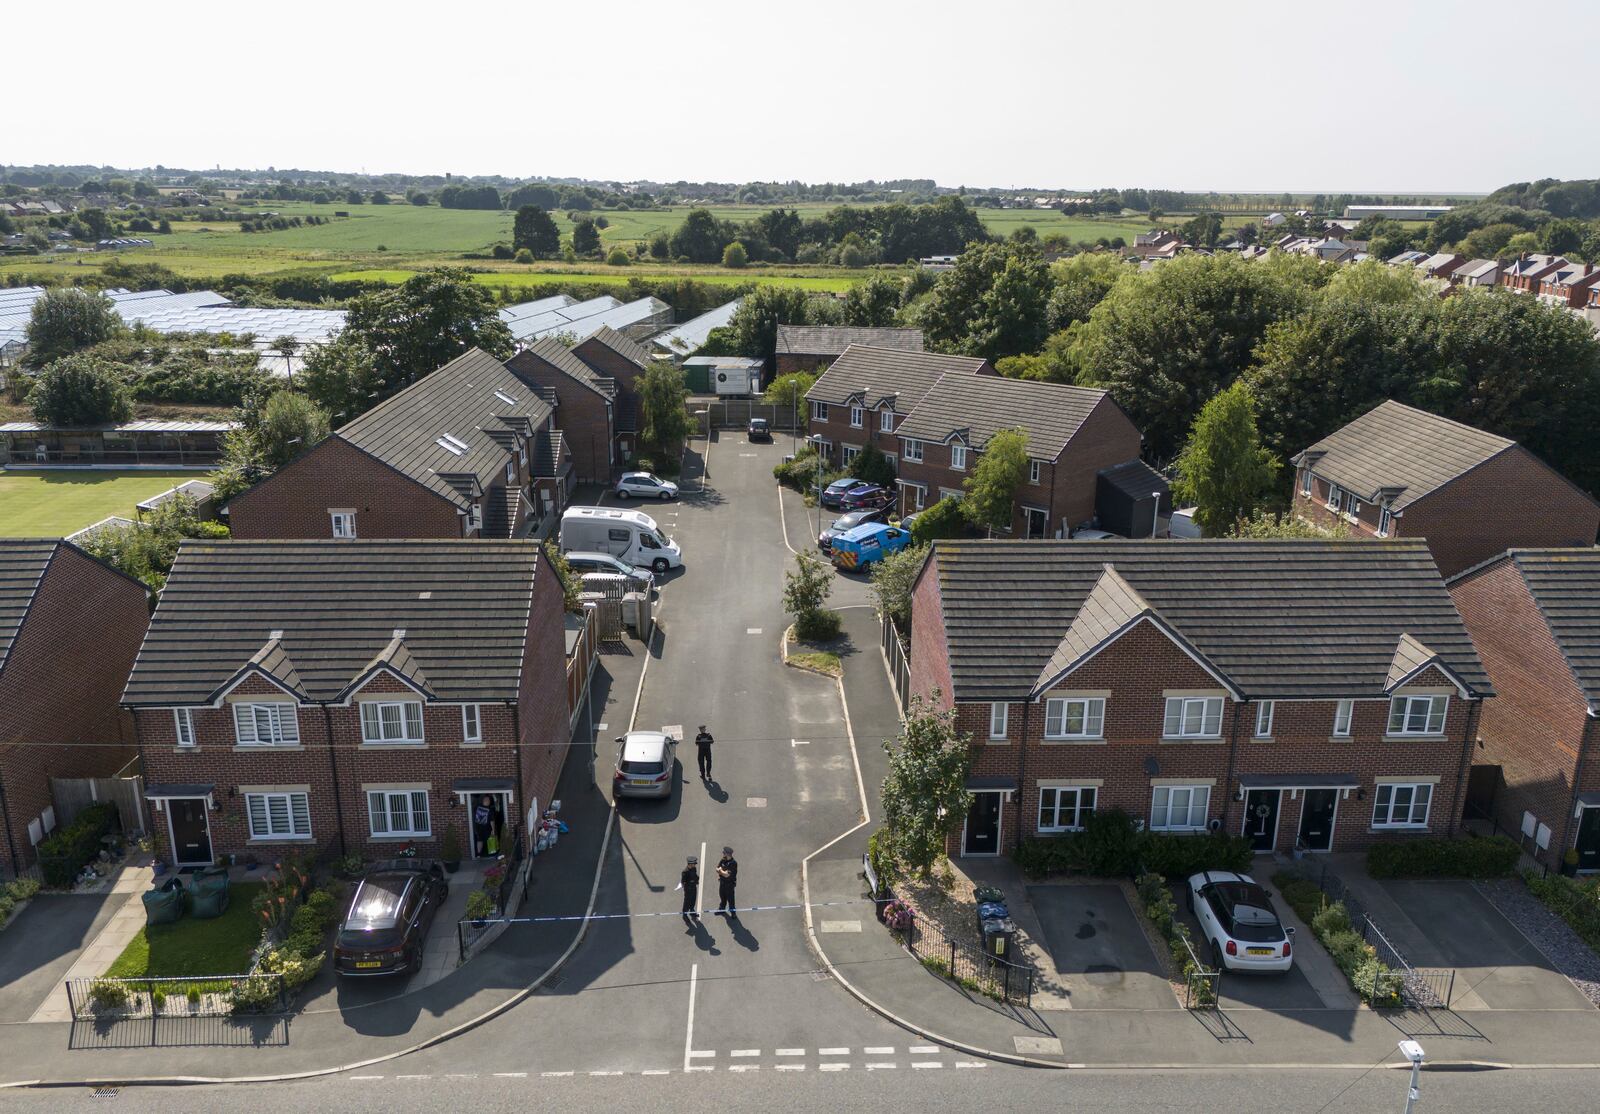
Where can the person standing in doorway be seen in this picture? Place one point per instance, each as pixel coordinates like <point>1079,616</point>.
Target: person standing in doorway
<point>702,746</point>
<point>727,879</point>
<point>689,883</point>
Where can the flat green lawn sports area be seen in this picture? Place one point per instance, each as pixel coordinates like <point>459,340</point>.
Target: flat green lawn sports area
<point>54,503</point>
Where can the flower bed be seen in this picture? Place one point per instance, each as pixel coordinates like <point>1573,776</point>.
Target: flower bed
<point>13,895</point>
<point>1370,978</point>
<point>63,854</point>
<point>1156,900</point>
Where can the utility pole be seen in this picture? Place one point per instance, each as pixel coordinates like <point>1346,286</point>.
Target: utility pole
<point>1412,1051</point>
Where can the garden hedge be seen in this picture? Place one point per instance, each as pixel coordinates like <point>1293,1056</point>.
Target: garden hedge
<point>1112,846</point>
<point>1577,903</point>
<point>63,854</point>
<point>1444,858</point>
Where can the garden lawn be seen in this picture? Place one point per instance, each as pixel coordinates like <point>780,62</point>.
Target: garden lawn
<point>189,948</point>
<point>54,503</point>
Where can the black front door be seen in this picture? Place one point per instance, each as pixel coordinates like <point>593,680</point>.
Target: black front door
<point>1589,840</point>
<point>983,825</point>
<point>1036,522</point>
<point>1316,819</point>
<point>1261,818</point>
<point>191,836</point>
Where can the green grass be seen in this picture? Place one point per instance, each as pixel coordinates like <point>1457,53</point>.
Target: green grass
<point>191,948</point>
<point>818,661</point>
<point>52,504</point>
<point>620,275</point>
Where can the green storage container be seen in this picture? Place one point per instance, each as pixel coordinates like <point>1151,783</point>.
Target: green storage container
<point>164,904</point>
<point>209,893</point>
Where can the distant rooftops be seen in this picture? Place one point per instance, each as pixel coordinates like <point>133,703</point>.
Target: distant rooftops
<point>832,340</point>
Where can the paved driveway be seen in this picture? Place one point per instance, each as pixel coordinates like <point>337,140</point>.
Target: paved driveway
<point>1099,948</point>
<point>41,944</point>
<point>1290,990</point>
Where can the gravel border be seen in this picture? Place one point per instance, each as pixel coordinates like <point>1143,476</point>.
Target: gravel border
<point>1549,933</point>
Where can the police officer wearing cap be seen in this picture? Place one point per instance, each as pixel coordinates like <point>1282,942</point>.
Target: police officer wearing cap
<point>689,883</point>
<point>727,879</point>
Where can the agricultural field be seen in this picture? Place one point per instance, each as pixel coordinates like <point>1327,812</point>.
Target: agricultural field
<point>831,280</point>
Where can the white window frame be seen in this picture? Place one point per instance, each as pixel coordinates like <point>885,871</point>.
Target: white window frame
<point>183,724</point>
<point>999,719</point>
<point>1035,470</point>
<point>1305,482</point>
<point>921,491</point>
<point>1344,718</point>
<point>850,454</point>
<point>343,523</point>
<point>1335,497</point>
<point>858,417</point>
<point>1264,712</point>
<point>911,449</point>
<point>1176,716</point>
<point>819,411</point>
<point>958,458</point>
<point>407,717</point>
<point>1385,804</point>
<point>511,471</point>
<point>411,799</point>
<point>1077,810</point>
<point>471,723</point>
<point>291,821</point>
<point>1090,713</point>
<point>1195,797</point>
<point>1352,506</point>
<point>886,421</point>
<point>1385,521</point>
<point>475,517</point>
<point>1400,709</point>
<point>280,718</point>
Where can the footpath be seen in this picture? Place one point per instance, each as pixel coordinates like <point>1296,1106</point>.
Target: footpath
<point>867,961</point>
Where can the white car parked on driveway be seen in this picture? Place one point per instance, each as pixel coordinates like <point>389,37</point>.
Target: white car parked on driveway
<point>643,485</point>
<point>1237,919</point>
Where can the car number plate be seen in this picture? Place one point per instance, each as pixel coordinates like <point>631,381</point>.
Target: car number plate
<point>1259,951</point>
<point>641,781</point>
<point>369,963</point>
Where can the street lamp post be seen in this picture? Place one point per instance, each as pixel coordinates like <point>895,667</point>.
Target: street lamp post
<point>1155,515</point>
<point>1412,1051</point>
<point>816,443</point>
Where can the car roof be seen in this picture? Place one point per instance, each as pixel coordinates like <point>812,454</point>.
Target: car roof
<point>633,475</point>
<point>643,746</point>
<point>847,481</point>
<point>603,558</point>
<point>866,531</point>
<point>376,903</point>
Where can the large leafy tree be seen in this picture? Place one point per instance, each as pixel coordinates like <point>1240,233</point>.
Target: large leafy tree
<point>874,302</point>
<point>993,303</point>
<point>585,237</point>
<point>342,378</point>
<point>424,323</point>
<point>992,485</point>
<point>146,550</point>
<point>788,391</point>
<point>533,195</point>
<point>893,580</point>
<point>536,230</point>
<point>925,797</point>
<point>1223,469</point>
<point>662,392</point>
<point>1081,283</point>
<point>700,238</point>
<point>753,331</point>
<point>67,319</point>
<point>81,390</point>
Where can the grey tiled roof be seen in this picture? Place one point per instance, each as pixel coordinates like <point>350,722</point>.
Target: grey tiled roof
<point>1136,479</point>
<point>831,340</point>
<point>629,350</point>
<point>560,357</point>
<point>1565,583</point>
<point>549,458</point>
<point>982,405</point>
<point>1400,449</point>
<point>462,603</point>
<point>875,374</point>
<point>459,399</point>
<point>22,565</point>
<point>1278,619</point>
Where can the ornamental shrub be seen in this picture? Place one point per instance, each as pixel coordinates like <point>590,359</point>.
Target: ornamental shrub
<point>64,853</point>
<point>1474,857</point>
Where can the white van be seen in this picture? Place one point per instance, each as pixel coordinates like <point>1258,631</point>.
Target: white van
<point>631,535</point>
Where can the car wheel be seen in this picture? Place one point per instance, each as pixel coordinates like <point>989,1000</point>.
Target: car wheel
<point>1216,956</point>
<point>622,493</point>
<point>660,566</point>
<point>665,495</point>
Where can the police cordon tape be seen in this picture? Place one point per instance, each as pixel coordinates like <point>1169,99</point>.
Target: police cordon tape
<point>670,913</point>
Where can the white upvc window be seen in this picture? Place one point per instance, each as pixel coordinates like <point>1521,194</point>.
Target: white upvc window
<point>857,417</point>
<point>1352,506</point>
<point>1034,469</point>
<point>278,815</point>
<point>1305,482</point>
<point>958,457</point>
<point>1344,714</point>
<point>471,724</point>
<point>1417,715</point>
<point>1335,496</point>
<point>511,471</point>
<point>886,421</point>
<point>1193,717</point>
<point>1264,719</point>
<point>999,715</point>
<point>475,517</point>
<point>911,449</point>
<point>819,411</point>
<point>1064,808</point>
<point>344,523</point>
<point>1074,717</point>
<point>1402,806</point>
<point>183,719</point>
<point>1385,522</point>
<point>850,454</point>
<point>1179,807</point>
<point>391,721</point>
<point>267,725</point>
<point>398,812</point>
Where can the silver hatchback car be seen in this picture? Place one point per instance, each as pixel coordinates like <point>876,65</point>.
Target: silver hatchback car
<point>646,761</point>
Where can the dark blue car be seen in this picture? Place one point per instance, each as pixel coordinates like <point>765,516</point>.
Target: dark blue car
<point>833,495</point>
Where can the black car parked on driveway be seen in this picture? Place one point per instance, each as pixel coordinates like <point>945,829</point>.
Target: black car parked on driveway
<point>386,925</point>
<point>760,430</point>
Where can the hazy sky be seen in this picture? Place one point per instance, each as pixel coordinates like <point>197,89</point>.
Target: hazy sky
<point>1391,96</point>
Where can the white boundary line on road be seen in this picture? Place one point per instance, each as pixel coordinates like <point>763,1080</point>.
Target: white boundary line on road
<point>688,1036</point>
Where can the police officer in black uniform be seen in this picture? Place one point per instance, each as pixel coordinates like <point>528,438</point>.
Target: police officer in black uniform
<point>727,879</point>
<point>689,883</point>
<point>702,746</point>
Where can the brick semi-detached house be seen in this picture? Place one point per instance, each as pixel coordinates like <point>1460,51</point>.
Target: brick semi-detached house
<point>1074,434</point>
<point>468,450</point>
<point>69,629</point>
<point>1314,693</point>
<point>862,398</point>
<point>813,347</point>
<point>352,696</point>
<point>1399,472</point>
<point>593,415</point>
<point>1534,615</point>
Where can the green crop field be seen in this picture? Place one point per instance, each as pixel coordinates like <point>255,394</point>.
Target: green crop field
<point>825,279</point>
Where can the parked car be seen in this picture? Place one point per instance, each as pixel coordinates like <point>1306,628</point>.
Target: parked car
<point>866,545</point>
<point>833,494</point>
<point>645,763</point>
<point>1237,919</point>
<point>632,536</point>
<point>847,522</point>
<point>867,495</point>
<point>386,923</point>
<point>1091,535</point>
<point>645,486</point>
<point>639,580</point>
<point>760,430</point>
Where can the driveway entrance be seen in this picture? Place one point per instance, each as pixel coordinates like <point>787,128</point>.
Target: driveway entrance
<point>1099,948</point>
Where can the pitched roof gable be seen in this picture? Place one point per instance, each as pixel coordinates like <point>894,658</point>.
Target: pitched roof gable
<point>397,660</point>
<point>869,376</point>
<point>1565,586</point>
<point>554,354</point>
<point>23,562</point>
<point>1411,658</point>
<point>621,345</point>
<point>832,340</point>
<point>983,405</point>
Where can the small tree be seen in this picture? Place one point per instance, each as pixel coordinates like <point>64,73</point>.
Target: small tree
<point>734,256</point>
<point>925,797</point>
<point>788,391</point>
<point>67,320</point>
<point>146,550</point>
<point>290,425</point>
<point>79,391</point>
<point>945,519</point>
<point>536,230</point>
<point>661,401</point>
<point>585,237</point>
<point>1265,524</point>
<point>873,467</point>
<point>805,589</point>
<point>1223,469</point>
<point>992,486</point>
<point>618,257</point>
<point>893,580</point>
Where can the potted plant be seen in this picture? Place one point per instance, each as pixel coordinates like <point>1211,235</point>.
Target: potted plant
<point>450,850</point>
<point>1569,862</point>
<point>480,907</point>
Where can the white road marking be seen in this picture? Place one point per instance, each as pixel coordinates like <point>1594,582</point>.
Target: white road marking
<point>749,454</point>
<point>601,727</point>
<point>701,1052</point>
<point>675,730</point>
<point>833,1067</point>
<point>799,742</point>
<point>924,1050</point>
<point>878,1067</point>
<point>605,1073</point>
<point>752,630</point>
<point>511,1075</point>
<point>688,1037</point>
<point>353,1077</point>
<point>745,1052</point>
<point>927,1064</point>
<point>744,1067</point>
<point>971,1064</point>
<point>877,1051</point>
<point>791,1067</point>
<point>413,1077</point>
<point>656,1071</point>
<point>833,1052</point>
<point>755,802</point>
<point>554,1074</point>
<point>791,1052</point>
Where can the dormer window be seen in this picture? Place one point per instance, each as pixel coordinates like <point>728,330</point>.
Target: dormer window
<point>1335,496</point>
<point>886,421</point>
<point>958,458</point>
<point>391,721</point>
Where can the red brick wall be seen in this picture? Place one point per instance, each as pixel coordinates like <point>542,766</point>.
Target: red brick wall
<point>60,714</point>
<point>582,415</point>
<point>294,503</point>
<point>930,654</point>
<point>1314,507</point>
<point>1534,727</point>
<point>1106,438</point>
<point>838,430</point>
<point>788,361</point>
<point>543,707</point>
<point>608,361</point>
